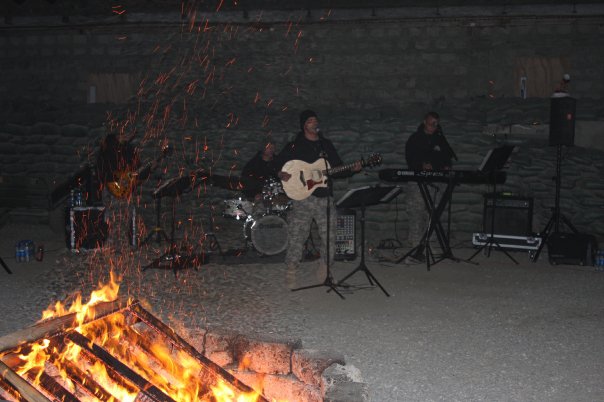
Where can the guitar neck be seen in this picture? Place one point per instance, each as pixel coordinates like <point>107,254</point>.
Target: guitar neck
<point>339,169</point>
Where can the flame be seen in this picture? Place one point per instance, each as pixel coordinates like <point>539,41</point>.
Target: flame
<point>171,370</point>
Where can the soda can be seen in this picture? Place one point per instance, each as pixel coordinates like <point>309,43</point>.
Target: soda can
<point>40,253</point>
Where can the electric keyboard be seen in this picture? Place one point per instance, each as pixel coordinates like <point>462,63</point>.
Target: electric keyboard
<point>443,176</point>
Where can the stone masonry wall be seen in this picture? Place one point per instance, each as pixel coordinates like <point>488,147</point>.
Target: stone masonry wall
<point>218,92</point>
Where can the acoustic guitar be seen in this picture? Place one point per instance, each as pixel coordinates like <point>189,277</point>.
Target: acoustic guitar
<point>307,177</point>
<point>124,182</point>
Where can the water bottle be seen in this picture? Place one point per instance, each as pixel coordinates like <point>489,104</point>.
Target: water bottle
<point>30,250</point>
<point>71,199</point>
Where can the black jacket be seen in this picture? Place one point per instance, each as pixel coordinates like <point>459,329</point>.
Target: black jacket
<point>303,149</point>
<point>428,148</point>
<point>256,172</point>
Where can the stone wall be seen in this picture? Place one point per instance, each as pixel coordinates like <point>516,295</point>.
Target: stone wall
<point>280,368</point>
<point>217,92</point>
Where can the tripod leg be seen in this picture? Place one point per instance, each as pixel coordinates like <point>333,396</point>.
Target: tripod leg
<point>544,237</point>
<point>5,266</point>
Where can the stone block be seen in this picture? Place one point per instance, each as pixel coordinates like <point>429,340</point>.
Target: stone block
<point>309,364</point>
<point>221,357</point>
<point>337,374</point>
<point>267,355</point>
<point>288,388</point>
<point>348,392</point>
<point>250,378</point>
<point>218,341</point>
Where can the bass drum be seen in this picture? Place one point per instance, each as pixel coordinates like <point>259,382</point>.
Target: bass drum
<point>268,234</point>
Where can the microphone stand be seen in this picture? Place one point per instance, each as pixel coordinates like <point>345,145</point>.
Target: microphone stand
<point>329,282</point>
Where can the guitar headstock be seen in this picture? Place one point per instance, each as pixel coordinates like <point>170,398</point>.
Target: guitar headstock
<point>373,160</point>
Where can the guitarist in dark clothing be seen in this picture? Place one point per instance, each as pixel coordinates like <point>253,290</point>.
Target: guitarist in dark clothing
<point>308,146</point>
<point>117,156</point>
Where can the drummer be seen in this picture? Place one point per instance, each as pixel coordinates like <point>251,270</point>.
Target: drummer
<point>258,170</point>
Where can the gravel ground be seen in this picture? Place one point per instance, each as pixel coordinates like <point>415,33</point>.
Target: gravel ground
<point>492,331</point>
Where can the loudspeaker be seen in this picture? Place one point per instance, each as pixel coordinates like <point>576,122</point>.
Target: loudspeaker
<point>571,248</point>
<point>513,215</point>
<point>86,228</point>
<point>562,121</point>
<point>345,235</point>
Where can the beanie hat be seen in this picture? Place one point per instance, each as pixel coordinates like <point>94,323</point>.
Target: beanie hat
<point>305,115</point>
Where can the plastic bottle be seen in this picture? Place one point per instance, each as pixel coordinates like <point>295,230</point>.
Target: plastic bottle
<point>40,252</point>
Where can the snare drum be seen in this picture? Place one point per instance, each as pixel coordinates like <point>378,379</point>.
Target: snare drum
<point>268,234</point>
<point>238,208</point>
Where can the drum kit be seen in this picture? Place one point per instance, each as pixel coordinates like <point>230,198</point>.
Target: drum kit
<point>263,219</point>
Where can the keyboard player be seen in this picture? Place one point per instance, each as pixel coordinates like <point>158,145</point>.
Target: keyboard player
<point>426,150</point>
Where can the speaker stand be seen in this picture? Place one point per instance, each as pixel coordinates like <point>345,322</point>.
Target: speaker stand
<point>554,220</point>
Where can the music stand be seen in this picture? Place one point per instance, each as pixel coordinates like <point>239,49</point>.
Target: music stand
<point>171,259</point>
<point>158,231</point>
<point>363,197</point>
<point>5,266</point>
<point>494,161</point>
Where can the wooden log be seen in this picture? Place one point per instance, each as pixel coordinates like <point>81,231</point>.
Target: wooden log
<point>28,392</point>
<point>53,326</point>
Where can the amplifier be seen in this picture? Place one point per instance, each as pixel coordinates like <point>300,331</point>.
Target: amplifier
<point>513,215</point>
<point>571,248</point>
<point>345,236</point>
<point>529,243</point>
<point>86,228</point>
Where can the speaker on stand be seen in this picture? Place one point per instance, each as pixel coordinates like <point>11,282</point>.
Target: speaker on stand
<point>561,133</point>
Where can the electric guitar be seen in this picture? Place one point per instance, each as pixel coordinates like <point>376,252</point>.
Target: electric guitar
<point>307,177</point>
<point>125,181</point>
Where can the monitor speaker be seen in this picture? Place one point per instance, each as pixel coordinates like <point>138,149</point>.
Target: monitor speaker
<point>562,121</point>
<point>571,248</point>
<point>513,215</point>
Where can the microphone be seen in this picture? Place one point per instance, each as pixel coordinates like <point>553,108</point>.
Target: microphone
<point>439,130</point>
<point>317,129</point>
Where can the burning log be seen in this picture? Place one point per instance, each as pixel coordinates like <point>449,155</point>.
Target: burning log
<point>139,356</point>
<point>27,391</point>
<point>48,328</point>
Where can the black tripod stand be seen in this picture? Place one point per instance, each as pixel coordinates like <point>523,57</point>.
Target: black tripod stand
<point>361,198</point>
<point>5,266</point>
<point>554,220</point>
<point>172,259</point>
<point>494,161</point>
<point>157,230</point>
<point>328,282</point>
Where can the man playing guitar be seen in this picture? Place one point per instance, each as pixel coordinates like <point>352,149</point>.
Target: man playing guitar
<point>119,171</point>
<point>309,146</point>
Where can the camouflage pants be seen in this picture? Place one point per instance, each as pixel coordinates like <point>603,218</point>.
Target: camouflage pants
<point>299,221</point>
